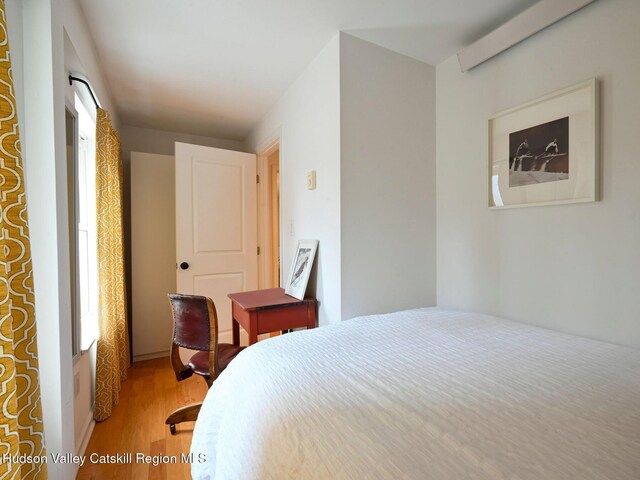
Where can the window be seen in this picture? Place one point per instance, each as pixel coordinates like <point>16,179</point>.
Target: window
<point>84,259</point>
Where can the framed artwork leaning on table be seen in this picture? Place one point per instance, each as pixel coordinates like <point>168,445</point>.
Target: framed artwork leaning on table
<point>301,268</point>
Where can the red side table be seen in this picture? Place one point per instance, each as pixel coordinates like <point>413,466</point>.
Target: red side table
<point>269,310</point>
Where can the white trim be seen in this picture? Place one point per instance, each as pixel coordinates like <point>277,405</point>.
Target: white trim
<point>227,337</point>
<point>85,350</point>
<point>150,356</point>
<point>86,435</point>
<point>73,206</point>
<point>534,19</point>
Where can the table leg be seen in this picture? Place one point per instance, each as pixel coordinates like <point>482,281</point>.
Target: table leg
<point>235,327</point>
<point>253,328</point>
<point>312,319</point>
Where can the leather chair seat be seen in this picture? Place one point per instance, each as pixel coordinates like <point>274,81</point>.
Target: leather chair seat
<point>199,362</point>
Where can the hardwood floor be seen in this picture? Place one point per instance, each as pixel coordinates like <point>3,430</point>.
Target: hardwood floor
<point>137,425</point>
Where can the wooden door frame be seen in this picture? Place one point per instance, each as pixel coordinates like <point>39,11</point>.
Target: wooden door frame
<point>274,217</point>
<point>265,259</point>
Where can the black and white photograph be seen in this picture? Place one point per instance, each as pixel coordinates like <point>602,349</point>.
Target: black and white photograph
<point>301,263</point>
<point>545,151</point>
<point>301,268</point>
<point>539,154</point>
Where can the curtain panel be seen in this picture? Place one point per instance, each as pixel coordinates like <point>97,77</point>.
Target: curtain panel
<point>112,359</point>
<point>21,427</point>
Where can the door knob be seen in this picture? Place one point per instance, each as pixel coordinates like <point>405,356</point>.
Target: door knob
<point>184,265</point>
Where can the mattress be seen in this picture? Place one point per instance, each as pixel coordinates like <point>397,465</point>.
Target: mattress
<point>423,394</point>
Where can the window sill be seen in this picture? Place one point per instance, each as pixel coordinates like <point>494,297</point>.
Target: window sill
<point>83,351</point>
<point>88,347</point>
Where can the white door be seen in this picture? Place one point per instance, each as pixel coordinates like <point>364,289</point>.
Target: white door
<point>216,226</point>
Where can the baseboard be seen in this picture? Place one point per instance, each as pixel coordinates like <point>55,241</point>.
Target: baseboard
<point>150,356</point>
<point>223,337</point>
<point>87,435</point>
<point>227,337</point>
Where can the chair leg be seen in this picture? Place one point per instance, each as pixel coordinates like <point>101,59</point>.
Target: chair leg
<point>184,414</point>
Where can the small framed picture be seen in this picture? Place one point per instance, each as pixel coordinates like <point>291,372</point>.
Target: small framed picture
<point>301,268</point>
<point>546,151</point>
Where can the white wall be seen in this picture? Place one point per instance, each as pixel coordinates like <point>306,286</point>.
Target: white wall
<point>87,61</point>
<point>363,117</point>
<point>387,174</point>
<point>46,183</point>
<point>307,120</point>
<point>13,12</point>
<point>153,252</point>
<point>575,267</point>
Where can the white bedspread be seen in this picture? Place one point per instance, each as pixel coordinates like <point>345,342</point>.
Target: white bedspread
<point>424,394</point>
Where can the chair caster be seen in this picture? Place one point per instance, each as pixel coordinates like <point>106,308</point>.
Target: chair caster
<point>172,429</point>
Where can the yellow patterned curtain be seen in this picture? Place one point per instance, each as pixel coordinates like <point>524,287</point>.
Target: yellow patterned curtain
<point>112,359</point>
<point>21,428</point>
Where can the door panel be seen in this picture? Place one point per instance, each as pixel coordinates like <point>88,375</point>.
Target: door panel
<point>218,184</point>
<point>216,222</point>
<point>220,283</point>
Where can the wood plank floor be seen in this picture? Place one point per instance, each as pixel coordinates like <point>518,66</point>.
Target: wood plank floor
<point>137,425</point>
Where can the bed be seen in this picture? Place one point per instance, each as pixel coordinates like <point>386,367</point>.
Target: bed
<point>423,394</point>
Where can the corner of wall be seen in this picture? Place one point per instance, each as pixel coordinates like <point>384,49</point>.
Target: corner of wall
<point>387,174</point>
<point>307,117</point>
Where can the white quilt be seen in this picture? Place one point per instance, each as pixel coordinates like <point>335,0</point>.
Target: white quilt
<point>424,394</point>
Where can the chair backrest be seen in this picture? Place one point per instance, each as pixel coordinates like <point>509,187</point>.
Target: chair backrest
<point>194,321</point>
<point>195,326</point>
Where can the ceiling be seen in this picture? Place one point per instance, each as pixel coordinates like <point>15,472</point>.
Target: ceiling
<point>215,67</point>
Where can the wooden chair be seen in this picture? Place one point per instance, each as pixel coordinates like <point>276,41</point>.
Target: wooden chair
<point>195,326</point>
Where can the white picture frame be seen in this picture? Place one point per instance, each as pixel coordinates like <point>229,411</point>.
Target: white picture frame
<point>301,268</point>
<point>523,172</point>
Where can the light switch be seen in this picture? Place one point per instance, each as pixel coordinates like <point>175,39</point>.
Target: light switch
<point>311,180</point>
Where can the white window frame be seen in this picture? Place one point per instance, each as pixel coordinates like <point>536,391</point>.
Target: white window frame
<point>85,220</point>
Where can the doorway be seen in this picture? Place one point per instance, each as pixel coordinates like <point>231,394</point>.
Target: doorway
<point>269,215</point>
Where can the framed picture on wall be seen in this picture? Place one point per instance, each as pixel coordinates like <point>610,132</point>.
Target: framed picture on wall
<point>546,151</point>
<point>301,268</point>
